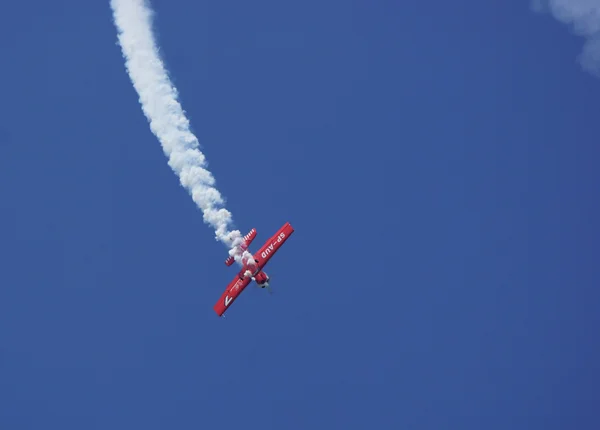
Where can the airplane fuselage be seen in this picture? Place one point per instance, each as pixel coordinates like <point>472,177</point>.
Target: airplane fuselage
<point>260,259</point>
<point>252,267</point>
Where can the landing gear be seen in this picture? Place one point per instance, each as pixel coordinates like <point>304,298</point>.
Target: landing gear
<point>263,283</point>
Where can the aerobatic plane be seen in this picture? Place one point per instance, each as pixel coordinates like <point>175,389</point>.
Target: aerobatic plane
<point>252,266</point>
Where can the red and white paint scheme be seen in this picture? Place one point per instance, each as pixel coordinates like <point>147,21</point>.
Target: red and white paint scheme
<point>253,265</point>
<point>245,244</point>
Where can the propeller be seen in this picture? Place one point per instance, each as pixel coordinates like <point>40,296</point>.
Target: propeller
<point>266,285</point>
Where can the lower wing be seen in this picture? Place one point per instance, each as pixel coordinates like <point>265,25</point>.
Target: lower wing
<point>231,293</point>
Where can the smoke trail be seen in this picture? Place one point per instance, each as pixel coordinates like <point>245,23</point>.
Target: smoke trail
<point>584,17</point>
<point>158,97</point>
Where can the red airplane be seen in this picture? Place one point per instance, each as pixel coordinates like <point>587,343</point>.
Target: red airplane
<point>253,265</point>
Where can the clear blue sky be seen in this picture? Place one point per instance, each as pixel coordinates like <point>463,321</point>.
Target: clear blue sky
<point>437,159</point>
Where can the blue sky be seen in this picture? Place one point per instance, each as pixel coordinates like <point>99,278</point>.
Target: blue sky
<point>437,160</point>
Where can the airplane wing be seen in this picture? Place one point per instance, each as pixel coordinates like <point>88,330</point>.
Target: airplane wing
<point>233,290</point>
<point>272,245</point>
<point>262,257</point>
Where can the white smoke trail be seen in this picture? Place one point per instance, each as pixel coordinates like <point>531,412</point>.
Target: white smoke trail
<point>584,17</point>
<point>158,97</point>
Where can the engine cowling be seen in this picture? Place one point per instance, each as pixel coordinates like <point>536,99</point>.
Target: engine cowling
<point>262,279</point>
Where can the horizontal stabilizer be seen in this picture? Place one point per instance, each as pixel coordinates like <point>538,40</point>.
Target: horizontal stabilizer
<point>245,244</point>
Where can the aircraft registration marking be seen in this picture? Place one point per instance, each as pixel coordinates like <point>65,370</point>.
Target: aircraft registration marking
<point>272,245</point>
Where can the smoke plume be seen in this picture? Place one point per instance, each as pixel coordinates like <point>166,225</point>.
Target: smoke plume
<point>158,97</point>
<point>584,18</point>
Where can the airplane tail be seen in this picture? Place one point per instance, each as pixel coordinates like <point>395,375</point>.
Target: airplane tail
<point>247,241</point>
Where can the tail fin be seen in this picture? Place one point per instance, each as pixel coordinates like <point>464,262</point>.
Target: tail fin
<point>247,241</point>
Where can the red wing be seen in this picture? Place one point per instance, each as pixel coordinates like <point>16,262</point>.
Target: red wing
<point>271,246</point>
<point>262,257</point>
<point>231,293</point>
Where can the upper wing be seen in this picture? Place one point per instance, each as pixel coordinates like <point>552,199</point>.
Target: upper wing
<point>231,293</point>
